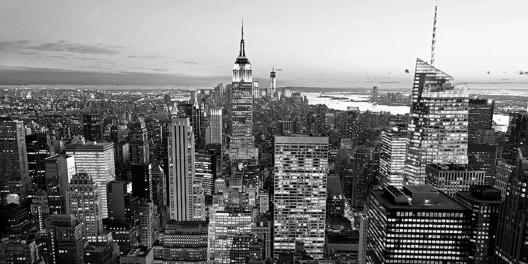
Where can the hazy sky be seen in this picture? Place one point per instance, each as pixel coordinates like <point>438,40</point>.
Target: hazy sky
<point>320,42</point>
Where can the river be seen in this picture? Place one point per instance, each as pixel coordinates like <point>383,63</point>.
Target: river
<point>501,120</point>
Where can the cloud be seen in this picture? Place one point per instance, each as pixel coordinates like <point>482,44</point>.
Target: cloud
<point>72,47</point>
<point>26,46</point>
<point>169,60</point>
<point>9,45</point>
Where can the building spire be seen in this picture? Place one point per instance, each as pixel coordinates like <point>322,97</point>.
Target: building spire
<point>242,47</point>
<point>434,36</point>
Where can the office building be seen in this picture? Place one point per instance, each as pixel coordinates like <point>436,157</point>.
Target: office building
<point>181,170</point>
<point>360,171</point>
<point>15,251</point>
<point>213,132</point>
<point>452,178</point>
<point>147,222</point>
<point>417,225</point>
<point>124,234</point>
<point>241,141</point>
<point>142,180</point>
<point>505,170</point>
<point>516,137</point>
<point>483,157</point>
<point>204,171</point>
<point>484,202</point>
<point>512,239</point>
<point>93,126</point>
<point>38,149</point>
<point>439,122</point>
<point>97,160</point>
<point>66,243</point>
<point>137,255</point>
<point>223,227</point>
<point>182,242</point>
<point>480,117</point>
<point>105,252</point>
<point>85,204</point>
<point>14,174</point>
<point>59,171</point>
<point>120,201</point>
<point>392,157</point>
<point>301,167</point>
<point>139,142</point>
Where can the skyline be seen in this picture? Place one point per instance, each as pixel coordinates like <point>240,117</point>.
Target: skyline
<point>197,42</point>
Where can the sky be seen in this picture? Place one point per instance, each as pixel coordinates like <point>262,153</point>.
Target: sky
<point>334,43</point>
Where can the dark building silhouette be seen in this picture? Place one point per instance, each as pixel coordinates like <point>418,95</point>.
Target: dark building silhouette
<point>512,234</point>
<point>480,117</point>
<point>93,126</point>
<point>484,202</point>
<point>66,244</point>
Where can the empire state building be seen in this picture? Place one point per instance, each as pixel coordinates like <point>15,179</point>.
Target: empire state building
<point>242,143</point>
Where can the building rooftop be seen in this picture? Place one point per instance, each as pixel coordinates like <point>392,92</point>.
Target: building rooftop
<point>448,167</point>
<point>140,251</point>
<point>90,146</point>
<point>482,194</point>
<point>301,140</point>
<point>420,197</point>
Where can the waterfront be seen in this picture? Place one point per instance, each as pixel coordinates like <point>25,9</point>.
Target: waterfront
<point>360,101</point>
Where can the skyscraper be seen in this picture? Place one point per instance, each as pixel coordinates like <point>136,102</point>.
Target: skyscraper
<point>512,236</point>
<point>85,204</point>
<point>480,117</point>
<point>417,225</point>
<point>439,122</point>
<point>484,202</point>
<point>139,144</point>
<point>65,239</point>
<point>97,160</point>
<point>242,143</point>
<point>14,174</point>
<point>301,167</point>
<point>146,215</point>
<point>142,180</point>
<point>393,149</point>
<point>181,169</point>
<point>223,227</point>
<point>213,132</point>
<point>119,195</point>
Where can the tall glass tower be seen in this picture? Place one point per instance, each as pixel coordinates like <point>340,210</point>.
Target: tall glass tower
<point>438,131</point>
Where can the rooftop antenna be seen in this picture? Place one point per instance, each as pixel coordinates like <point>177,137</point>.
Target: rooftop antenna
<point>434,35</point>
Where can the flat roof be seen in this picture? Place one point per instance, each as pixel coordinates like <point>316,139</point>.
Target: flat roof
<point>444,203</point>
<point>140,251</point>
<point>301,140</point>
<point>90,146</point>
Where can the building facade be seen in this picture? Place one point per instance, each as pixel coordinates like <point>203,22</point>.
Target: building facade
<point>392,157</point>
<point>301,167</point>
<point>452,178</point>
<point>417,225</point>
<point>181,170</point>
<point>14,173</point>
<point>439,122</point>
<point>97,160</point>
<point>85,204</point>
<point>484,202</point>
<point>241,141</point>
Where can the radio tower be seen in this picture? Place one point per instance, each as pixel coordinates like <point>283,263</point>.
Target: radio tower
<point>434,36</point>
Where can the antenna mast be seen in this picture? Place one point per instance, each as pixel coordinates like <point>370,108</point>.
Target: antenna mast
<point>434,36</point>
